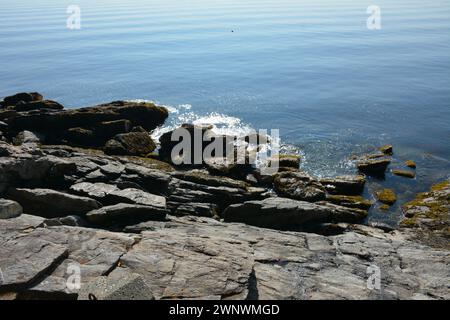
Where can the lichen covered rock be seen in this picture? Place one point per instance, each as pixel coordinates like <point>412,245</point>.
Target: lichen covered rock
<point>386,196</point>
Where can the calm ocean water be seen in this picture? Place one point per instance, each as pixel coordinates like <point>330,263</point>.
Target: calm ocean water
<point>309,68</point>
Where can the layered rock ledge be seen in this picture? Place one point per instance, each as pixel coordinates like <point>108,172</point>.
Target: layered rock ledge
<point>87,213</point>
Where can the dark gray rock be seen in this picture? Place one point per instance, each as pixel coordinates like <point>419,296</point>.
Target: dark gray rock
<point>9,209</point>
<point>122,214</point>
<point>72,221</point>
<point>38,105</point>
<point>108,129</point>
<point>344,185</point>
<point>194,209</point>
<point>299,186</point>
<point>22,97</point>
<point>132,143</point>
<point>283,213</point>
<point>373,167</point>
<point>54,123</point>
<point>50,203</point>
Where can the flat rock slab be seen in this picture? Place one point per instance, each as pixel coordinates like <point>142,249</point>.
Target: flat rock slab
<point>284,213</point>
<point>122,213</point>
<point>177,261</point>
<point>50,203</point>
<point>22,223</point>
<point>37,262</point>
<point>111,194</point>
<point>93,253</point>
<point>176,265</point>
<point>25,258</point>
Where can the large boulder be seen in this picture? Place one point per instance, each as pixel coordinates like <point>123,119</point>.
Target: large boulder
<point>373,166</point>
<point>200,137</point>
<point>132,143</point>
<point>283,213</point>
<point>55,122</point>
<point>22,97</point>
<point>299,186</point>
<point>50,203</point>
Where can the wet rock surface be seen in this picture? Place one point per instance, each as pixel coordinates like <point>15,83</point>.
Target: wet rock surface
<point>79,223</point>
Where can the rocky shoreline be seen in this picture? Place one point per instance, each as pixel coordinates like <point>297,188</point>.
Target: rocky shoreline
<point>89,209</point>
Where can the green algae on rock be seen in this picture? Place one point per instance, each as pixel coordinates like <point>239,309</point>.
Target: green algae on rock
<point>387,149</point>
<point>410,164</point>
<point>386,196</point>
<point>429,215</point>
<point>357,202</point>
<point>404,173</point>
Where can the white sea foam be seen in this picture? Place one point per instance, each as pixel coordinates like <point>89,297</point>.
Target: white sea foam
<point>222,123</point>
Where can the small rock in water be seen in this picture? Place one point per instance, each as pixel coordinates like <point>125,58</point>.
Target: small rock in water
<point>404,173</point>
<point>287,160</point>
<point>373,167</point>
<point>386,196</point>
<point>387,149</point>
<point>410,164</point>
<point>344,185</point>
